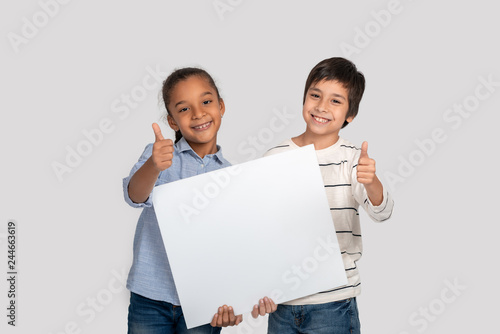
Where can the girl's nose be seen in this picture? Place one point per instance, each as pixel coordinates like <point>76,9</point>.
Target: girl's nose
<point>198,113</point>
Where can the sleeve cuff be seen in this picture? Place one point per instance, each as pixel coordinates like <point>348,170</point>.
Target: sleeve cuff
<point>383,211</point>
<point>381,207</point>
<point>147,204</point>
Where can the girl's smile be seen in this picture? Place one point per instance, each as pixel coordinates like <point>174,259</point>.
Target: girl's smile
<point>196,111</point>
<point>203,126</point>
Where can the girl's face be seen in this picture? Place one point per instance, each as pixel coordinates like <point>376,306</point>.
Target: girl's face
<point>197,112</point>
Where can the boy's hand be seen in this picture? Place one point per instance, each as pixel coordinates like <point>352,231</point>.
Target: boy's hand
<point>366,166</point>
<point>265,306</point>
<point>225,317</point>
<point>163,150</point>
<point>366,176</point>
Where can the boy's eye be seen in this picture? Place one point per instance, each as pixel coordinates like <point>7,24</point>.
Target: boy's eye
<point>183,109</point>
<point>207,102</point>
<point>315,96</point>
<point>336,101</point>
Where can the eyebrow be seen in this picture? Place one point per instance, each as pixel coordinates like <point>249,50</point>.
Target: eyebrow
<point>202,95</point>
<point>334,94</point>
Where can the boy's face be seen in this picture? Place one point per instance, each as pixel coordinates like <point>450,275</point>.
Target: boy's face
<point>325,108</point>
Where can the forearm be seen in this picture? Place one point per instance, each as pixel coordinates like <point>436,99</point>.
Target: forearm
<point>142,182</point>
<point>375,191</point>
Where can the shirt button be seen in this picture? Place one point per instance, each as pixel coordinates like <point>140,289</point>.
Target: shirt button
<point>202,165</point>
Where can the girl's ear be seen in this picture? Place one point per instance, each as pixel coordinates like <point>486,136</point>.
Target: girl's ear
<point>349,119</point>
<point>171,123</point>
<point>222,107</point>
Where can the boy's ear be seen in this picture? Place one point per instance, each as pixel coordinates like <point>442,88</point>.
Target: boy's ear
<point>222,107</point>
<point>171,123</point>
<point>349,119</point>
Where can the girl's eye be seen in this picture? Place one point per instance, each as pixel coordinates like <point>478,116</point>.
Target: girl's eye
<point>315,96</point>
<point>207,102</point>
<point>336,101</point>
<point>183,109</point>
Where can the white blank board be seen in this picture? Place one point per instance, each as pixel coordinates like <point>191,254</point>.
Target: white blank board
<point>261,228</point>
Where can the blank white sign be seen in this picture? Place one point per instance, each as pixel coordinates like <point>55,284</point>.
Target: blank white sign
<point>261,228</point>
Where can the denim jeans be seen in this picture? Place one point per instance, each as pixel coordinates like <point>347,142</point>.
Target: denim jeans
<point>340,317</point>
<point>147,316</point>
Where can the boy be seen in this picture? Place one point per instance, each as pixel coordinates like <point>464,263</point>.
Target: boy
<point>332,95</point>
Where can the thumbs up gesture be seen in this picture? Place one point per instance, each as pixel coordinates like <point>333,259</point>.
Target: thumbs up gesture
<point>366,166</point>
<point>163,150</point>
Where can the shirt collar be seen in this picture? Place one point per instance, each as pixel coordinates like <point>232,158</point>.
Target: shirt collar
<point>183,146</point>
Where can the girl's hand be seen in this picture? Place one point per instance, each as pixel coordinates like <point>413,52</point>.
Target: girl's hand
<point>225,317</point>
<point>265,306</point>
<point>163,150</point>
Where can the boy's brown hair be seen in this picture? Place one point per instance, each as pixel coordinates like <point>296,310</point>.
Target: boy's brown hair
<point>344,71</point>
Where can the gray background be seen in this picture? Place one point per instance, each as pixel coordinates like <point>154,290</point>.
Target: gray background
<point>75,234</point>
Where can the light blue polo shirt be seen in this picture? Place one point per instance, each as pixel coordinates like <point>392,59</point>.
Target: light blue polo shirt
<point>150,275</point>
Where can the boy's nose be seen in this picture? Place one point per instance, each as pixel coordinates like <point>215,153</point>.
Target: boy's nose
<point>321,107</point>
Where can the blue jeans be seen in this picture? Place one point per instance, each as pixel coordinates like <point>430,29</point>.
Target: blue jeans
<point>147,316</point>
<point>340,317</point>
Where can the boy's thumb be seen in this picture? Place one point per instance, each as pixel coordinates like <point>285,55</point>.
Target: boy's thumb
<point>364,149</point>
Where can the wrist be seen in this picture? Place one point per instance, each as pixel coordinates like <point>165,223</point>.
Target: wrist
<point>375,192</point>
<point>150,164</point>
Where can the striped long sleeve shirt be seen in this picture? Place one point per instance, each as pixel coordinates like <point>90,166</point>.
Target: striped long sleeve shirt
<point>345,195</point>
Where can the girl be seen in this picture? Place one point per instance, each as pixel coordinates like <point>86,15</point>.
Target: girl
<point>194,112</point>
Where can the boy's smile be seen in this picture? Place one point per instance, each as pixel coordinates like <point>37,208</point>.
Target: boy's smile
<point>320,120</point>
<point>324,111</point>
